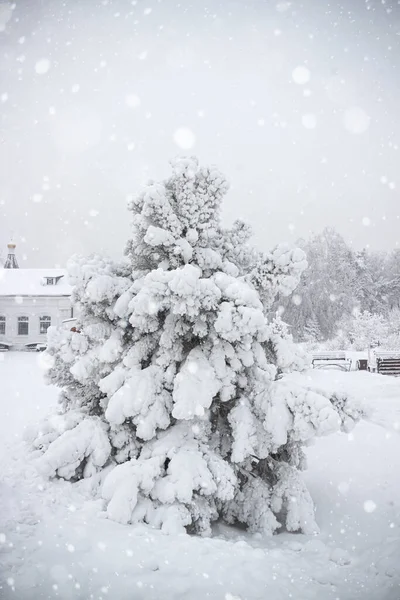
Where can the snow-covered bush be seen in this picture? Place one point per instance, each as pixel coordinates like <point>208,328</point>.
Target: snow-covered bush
<point>360,331</point>
<point>391,341</point>
<point>174,384</point>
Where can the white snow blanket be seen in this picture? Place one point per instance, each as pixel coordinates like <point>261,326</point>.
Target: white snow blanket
<point>55,543</point>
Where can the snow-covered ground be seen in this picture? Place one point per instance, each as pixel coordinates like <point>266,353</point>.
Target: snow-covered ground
<point>55,543</point>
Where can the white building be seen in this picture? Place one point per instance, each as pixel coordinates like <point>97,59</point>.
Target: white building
<point>30,301</point>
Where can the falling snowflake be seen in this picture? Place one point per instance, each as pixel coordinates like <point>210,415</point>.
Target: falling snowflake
<point>356,120</point>
<point>132,100</point>
<point>366,221</point>
<point>37,197</point>
<point>369,506</point>
<point>184,138</point>
<point>343,487</point>
<point>42,66</point>
<point>45,361</point>
<point>192,367</point>
<point>309,121</point>
<point>75,88</point>
<point>301,75</point>
<point>152,307</point>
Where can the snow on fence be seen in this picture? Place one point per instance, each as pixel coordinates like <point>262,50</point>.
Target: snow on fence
<point>387,362</point>
<point>338,359</point>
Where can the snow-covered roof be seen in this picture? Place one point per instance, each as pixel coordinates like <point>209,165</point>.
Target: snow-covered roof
<point>34,282</point>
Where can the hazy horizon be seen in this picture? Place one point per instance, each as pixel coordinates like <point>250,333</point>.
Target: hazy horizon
<point>296,103</point>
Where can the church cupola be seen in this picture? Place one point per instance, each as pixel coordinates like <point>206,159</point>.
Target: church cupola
<point>11,261</point>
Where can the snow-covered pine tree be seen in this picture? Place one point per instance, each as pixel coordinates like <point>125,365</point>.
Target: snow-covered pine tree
<point>327,287</point>
<point>175,397</point>
<point>312,332</point>
<point>365,329</point>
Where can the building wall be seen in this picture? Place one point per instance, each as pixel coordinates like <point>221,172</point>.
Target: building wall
<point>11,307</point>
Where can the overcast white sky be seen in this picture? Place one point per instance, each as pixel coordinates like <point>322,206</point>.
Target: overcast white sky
<point>93,92</point>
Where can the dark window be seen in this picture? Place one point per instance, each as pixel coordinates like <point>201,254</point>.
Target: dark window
<point>2,325</point>
<point>23,325</point>
<point>44,324</point>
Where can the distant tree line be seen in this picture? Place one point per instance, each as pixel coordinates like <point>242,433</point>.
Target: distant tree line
<point>339,285</point>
